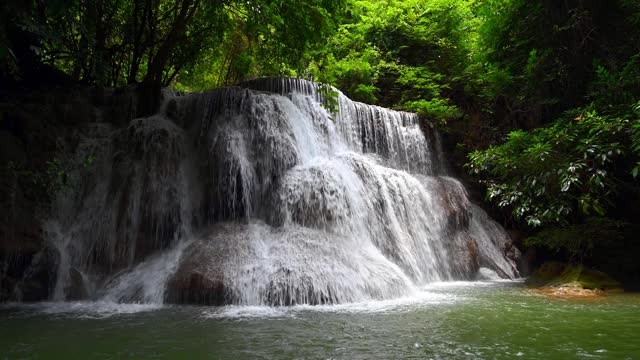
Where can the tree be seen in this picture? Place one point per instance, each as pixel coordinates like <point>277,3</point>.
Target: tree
<point>407,55</point>
<point>151,42</point>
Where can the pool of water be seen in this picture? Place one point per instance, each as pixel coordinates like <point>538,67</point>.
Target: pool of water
<point>479,320</point>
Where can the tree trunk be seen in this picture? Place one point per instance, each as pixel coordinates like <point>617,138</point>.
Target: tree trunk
<point>187,11</point>
<point>140,15</point>
<point>152,82</point>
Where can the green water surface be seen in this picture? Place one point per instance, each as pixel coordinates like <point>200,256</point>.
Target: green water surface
<point>448,321</point>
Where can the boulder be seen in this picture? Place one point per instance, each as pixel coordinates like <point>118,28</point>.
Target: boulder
<point>199,278</point>
<point>193,287</point>
<point>36,283</point>
<point>76,289</point>
<point>255,264</point>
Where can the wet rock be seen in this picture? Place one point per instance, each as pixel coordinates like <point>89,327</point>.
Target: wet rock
<point>313,197</point>
<point>495,247</point>
<point>172,113</point>
<point>259,265</point>
<point>196,288</point>
<point>486,274</point>
<point>452,197</point>
<point>39,277</point>
<point>76,290</point>
<point>198,280</point>
<point>472,258</point>
<point>21,242</point>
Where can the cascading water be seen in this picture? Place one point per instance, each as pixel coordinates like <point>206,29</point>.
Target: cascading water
<point>256,195</point>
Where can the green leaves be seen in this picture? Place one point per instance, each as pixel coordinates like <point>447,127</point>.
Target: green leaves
<point>437,109</point>
<point>191,44</point>
<point>329,99</point>
<point>566,169</point>
<point>581,239</point>
<point>406,55</point>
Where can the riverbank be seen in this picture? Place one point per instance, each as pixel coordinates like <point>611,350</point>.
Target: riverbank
<point>556,279</point>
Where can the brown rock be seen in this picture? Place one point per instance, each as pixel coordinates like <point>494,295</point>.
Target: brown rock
<point>196,288</point>
<point>199,278</point>
<point>76,289</point>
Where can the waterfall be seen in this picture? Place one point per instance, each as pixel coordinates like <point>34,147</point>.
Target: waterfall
<point>257,195</point>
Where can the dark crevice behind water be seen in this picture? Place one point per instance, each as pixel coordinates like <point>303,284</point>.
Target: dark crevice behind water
<point>256,195</point>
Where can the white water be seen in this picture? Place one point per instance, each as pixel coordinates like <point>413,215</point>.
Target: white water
<point>254,198</point>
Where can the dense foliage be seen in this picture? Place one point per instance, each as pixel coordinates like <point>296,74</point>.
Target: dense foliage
<point>555,174</point>
<point>542,95</point>
<point>402,54</point>
<point>585,62</point>
<point>200,43</point>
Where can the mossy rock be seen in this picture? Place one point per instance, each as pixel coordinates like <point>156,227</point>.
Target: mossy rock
<point>556,274</point>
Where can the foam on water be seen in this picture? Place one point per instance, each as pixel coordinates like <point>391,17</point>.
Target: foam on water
<point>435,294</point>
<point>83,309</point>
<point>247,312</point>
<point>452,285</point>
<point>400,304</point>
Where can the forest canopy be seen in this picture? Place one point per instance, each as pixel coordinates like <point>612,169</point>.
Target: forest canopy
<point>195,44</point>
